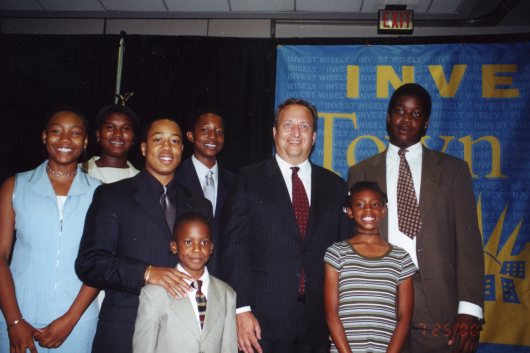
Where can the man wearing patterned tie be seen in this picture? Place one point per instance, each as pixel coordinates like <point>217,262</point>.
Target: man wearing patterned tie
<point>202,174</point>
<point>432,215</point>
<point>278,220</point>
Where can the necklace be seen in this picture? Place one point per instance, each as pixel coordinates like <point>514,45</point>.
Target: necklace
<point>59,174</point>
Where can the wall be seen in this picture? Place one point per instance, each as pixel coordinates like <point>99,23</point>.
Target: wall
<point>245,28</point>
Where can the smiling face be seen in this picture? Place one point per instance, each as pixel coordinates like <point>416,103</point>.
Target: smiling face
<point>367,209</point>
<point>65,138</point>
<point>294,134</point>
<point>193,245</point>
<point>116,135</point>
<point>208,138</point>
<point>407,121</point>
<point>162,149</point>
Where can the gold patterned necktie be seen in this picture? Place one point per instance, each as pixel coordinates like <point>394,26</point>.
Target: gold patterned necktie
<point>201,302</point>
<point>409,219</point>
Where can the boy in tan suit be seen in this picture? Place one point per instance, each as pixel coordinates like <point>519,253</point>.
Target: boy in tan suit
<point>202,321</point>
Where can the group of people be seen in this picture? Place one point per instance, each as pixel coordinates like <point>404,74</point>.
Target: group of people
<point>283,257</point>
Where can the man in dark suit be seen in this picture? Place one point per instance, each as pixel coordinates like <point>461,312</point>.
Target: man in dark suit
<point>447,249</point>
<point>127,231</point>
<point>278,220</point>
<point>207,135</point>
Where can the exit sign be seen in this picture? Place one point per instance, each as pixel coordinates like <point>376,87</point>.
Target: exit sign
<point>395,21</point>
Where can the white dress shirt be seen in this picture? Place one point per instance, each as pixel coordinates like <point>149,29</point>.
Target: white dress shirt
<point>201,171</point>
<point>414,159</point>
<point>205,278</point>
<point>304,173</point>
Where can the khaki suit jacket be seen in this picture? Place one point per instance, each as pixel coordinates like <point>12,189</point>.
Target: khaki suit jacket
<point>166,324</point>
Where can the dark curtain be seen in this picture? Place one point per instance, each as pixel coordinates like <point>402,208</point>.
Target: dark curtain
<point>169,76</point>
<point>38,73</point>
<point>178,75</point>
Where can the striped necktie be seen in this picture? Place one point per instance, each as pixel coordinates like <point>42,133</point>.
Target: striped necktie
<point>201,302</point>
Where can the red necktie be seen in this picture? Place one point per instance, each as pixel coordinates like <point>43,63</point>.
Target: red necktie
<point>301,212</point>
<point>409,220</point>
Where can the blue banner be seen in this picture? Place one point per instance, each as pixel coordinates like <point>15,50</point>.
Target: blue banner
<point>480,113</point>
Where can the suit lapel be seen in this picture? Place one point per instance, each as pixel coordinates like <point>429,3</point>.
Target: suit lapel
<point>213,308</point>
<point>378,171</point>
<point>430,177</point>
<point>222,192</point>
<point>190,177</point>
<point>276,189</point>
<point>143,196</point>
<point>318,199</point>
<point>183,312</point>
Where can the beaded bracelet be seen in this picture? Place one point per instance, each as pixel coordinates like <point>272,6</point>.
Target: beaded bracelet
<point>14,323</point>
<point>147,273</point>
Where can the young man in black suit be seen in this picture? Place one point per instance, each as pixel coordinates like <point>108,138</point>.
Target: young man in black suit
<point>127,229</point>
<point>206,133</point>
<point>278,221</point>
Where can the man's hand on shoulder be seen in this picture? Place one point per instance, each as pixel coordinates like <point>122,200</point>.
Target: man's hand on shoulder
<point>465,333</point>
<point>248,333</point>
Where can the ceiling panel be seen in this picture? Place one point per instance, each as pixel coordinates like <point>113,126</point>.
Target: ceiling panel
<point>197,5</point>
<point>262,5</point>
<point>375,5</point>
<point>20,5</point>
<point>329,5</point>
<point>446,12</point>
<point>72,5</point>
<point>134,5</point>
<point>444,6</point>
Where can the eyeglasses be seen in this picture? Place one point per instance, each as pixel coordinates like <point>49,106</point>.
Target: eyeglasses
<point>290,126</point>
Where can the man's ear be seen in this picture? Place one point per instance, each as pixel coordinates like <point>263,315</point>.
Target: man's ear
<point>142,148</point>
<point>189,136</point>
<point>173,247</point>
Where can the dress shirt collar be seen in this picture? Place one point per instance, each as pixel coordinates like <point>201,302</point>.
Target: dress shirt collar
<point>205,278</point>
<point>201,170</point>
<point>415,151</point>
<point>157,188</point>
<point>285,167</point>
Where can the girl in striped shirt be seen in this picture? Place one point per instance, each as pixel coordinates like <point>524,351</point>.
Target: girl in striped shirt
<point>368,291</point>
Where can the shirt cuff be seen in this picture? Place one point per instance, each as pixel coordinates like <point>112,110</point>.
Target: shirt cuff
<point>243,309</point>
<point>470,309</point>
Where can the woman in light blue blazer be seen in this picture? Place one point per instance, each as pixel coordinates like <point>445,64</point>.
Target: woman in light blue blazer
<point>44,305</point>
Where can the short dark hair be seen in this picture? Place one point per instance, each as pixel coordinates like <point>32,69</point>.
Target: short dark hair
<point>365,185</point>
<point>297,101</point>
<point>145,130</point>
<point>412,89</point>
<point>70,109</point>
<point>194,117</point>
<point>190,217</point>
<point>117,108</point>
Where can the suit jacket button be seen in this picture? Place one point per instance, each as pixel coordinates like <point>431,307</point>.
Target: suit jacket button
<point>298,275</point>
